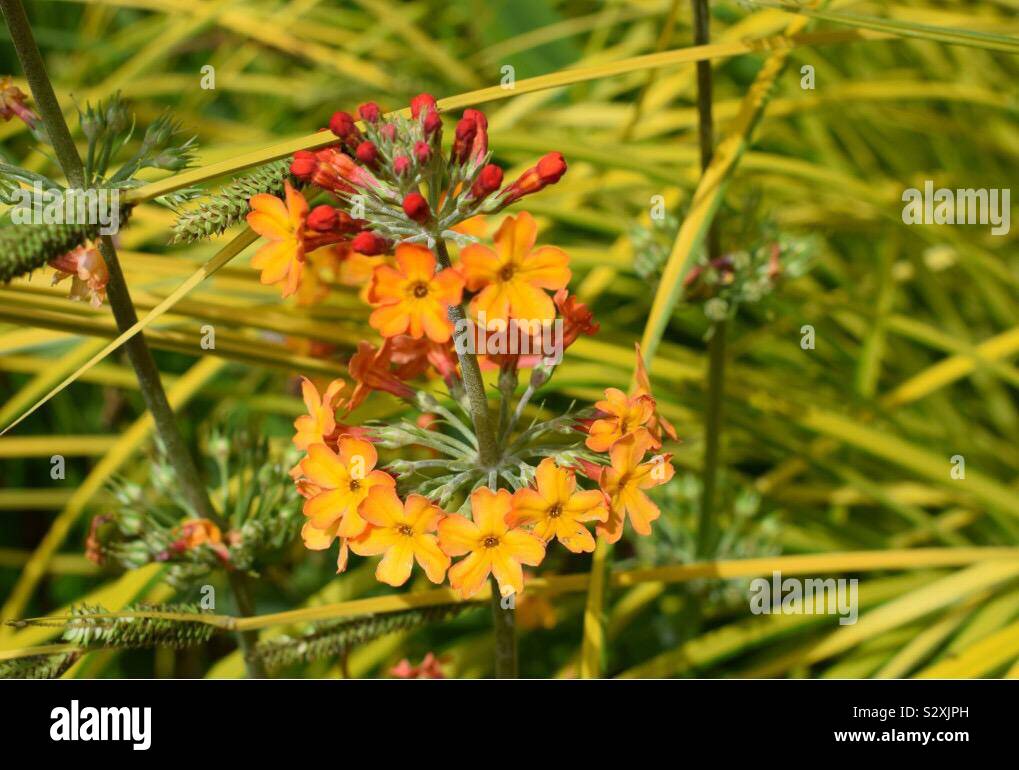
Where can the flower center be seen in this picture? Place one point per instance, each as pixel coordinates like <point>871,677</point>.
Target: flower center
<point>404,529</point>
<point>555,511</point>
<point>420,289</point>
<point>355,485</point>
<point>490,541</point>
<point>506,273</point>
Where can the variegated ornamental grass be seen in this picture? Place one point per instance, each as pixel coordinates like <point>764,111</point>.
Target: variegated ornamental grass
<point>843,450</point>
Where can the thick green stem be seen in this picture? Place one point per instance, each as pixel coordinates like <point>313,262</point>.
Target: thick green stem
<point>488,447</point>
<point>247,640</point>
<point>706,530</point>
<point>138,352</point>
<point>504,623</point>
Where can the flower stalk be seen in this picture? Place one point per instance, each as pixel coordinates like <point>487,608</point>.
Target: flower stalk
<point>138,352</point>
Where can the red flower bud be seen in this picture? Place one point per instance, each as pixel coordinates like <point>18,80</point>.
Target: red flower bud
<point>489,180</point>
<point>416,207</point>
<point>422,151</point>
<point>321,218</point>
<point>342,124</point>
<point>303,165</point>
<point>369,112</point>
<point>422,102</point>
<point>480,145</point>
<point>550,169</point>
<point>367,153</point>
<point>432,123</point>
<point>400,164</point>
<point>388,131</point>
<point>370,244</point>
<point>465,132</point>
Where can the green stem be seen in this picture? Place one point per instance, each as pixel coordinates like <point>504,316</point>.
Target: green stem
<point>488,448</point>
<point>706,530</point>
<point>504,623</point>
<point>716,344</point>
<point>138,352</point>
<point>503,620</point>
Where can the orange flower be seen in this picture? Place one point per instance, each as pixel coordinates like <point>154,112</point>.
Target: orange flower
<point>318,425</point>
<point>625,481</point>
<point>370,369</point>
<point>511,278</point>
<point>87,270</point>
<point>401,532</point>
<point>657,425</point>
<point>492,546</point>
<point>193,533</point>
<point>282,259</point>
<point>557,509</point>
<point>412,298</point>
<point>344,480</point>
<point>622,416</point>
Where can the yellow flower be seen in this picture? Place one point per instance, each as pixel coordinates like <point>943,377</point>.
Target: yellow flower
<point>625,480</point>
<point>401,532</point>
<point>490,544</point>
<point>622,416</point>
<point>557,509</point>
<point>511,279</point>
<point>343,481</point>
<point>282,259</point>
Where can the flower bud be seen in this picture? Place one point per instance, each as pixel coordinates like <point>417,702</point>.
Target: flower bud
<point>400,164</point>
<point>421,102</point>
<point>322,218</point>
<point>367,153</point>
<point>416,208</point>
<point>423,152</point>
<point>388,131</point>
<point>370,244</point>
<point>549,170</point>
<point>489,180</point>
<point>466,129</point>
<point>369,112</point>
<point>342,124</point>
<point>432,124</point>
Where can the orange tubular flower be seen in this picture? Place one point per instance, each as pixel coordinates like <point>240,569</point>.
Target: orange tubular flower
<point>370,369</point>
<point>624,483</point>
<point>577,317</point>
<point>623,416</point>
<point>511,278</point>
<point>344,481</point>
<point>492,546</point>
<point>401,532</point>
<point>557,509</point>
<point>195,532</point>
<point>412,298</point>
<point>318,425</point>
<point>657,425</point>
<point>282,259</point>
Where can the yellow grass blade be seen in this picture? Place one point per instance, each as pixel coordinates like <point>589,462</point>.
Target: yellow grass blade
<point>228,252</point>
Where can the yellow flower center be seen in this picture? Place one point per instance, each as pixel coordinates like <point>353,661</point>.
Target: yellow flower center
<point>404,529</point>
<point>355,485</point>
<point>490,542</point>
<point>555,511</point>
<point>506,273</point>
<point>420,289</point>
